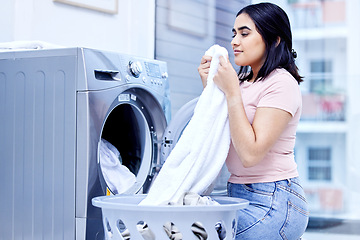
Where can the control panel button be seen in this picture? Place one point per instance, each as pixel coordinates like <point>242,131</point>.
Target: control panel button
<point>165,75</point>
<point>128,78</point>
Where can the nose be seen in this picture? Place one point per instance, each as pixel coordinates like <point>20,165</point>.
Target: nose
<point>235,41</point>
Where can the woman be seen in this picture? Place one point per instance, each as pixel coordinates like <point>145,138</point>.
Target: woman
<point>264,110</point>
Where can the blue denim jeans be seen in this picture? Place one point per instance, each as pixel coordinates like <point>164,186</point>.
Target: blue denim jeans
<point>277,210</point>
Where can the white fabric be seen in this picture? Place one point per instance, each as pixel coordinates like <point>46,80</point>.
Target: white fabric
<point>200,153</point>
<point>26,45</point>
<point>194,199</point>
<point>145,231</point>
<point>118,177</point>
<point>197,228</point>
<point>172,231</point>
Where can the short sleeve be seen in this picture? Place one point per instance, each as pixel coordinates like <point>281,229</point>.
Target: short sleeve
<point>283,92</point>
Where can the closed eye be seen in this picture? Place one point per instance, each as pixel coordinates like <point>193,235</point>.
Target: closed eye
<point>234,33</point>
<point>243,31</point>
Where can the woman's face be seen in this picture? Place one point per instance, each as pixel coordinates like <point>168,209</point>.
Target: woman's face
<point>248,45</point>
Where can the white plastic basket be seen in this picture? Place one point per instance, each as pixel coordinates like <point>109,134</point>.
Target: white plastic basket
<point>122,216</point>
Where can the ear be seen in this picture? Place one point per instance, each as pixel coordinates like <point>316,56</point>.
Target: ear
<point>278,41</point>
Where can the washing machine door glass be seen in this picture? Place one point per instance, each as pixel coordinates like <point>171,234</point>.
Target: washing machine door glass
<point>127,148</point>
<point>172,135</point>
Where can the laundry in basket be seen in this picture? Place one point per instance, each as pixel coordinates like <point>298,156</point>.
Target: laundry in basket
<point>122,217</point>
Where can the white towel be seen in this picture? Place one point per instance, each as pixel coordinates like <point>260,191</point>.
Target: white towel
<point>26,45</point>
<point>200,153</point>
<point>118,177</point>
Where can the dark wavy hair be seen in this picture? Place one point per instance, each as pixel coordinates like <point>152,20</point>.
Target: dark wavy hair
<point>272,23</point>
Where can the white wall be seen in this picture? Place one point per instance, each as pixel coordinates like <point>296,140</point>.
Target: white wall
<point>131,31</point>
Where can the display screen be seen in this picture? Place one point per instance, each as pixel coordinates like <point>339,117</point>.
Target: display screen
<point>153,70</point>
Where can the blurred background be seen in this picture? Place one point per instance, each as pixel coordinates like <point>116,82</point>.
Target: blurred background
<point>326,37</point>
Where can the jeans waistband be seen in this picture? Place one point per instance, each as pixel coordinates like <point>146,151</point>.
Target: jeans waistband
<point>289,181</point>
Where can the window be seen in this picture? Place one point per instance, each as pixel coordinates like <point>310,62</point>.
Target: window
<point>319,166</point>
<point>321,75</point>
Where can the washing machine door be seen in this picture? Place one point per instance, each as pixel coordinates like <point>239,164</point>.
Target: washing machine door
<point>172,135</point>
<point>128,146</point>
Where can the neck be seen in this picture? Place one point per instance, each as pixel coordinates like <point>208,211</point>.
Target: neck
<point>255,71</point>
<point>253,77</point>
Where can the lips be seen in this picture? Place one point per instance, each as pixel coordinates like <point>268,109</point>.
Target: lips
<point>237,51</point>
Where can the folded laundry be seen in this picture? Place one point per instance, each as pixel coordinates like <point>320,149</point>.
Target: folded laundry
<point>199,231</point>
<point>118,177</point>
<point>170,228</point>
<point>200,153</point>
<point>26,45</point>
<point>172,231</point>
<point>145,231</point>
<point>220,231</point>
<point>126,234</point>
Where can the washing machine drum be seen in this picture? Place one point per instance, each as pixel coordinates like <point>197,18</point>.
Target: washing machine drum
<point>125,150</point>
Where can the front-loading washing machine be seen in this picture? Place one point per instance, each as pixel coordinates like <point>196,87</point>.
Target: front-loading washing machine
<point>129,108</point>
<point>56,107</point>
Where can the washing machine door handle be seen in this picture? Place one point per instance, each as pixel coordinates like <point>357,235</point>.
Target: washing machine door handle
<point>107,75</point>
<point>168,141</point>
<point>164,141</point>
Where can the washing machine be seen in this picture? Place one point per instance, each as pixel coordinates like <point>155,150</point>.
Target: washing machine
<point>127,104</point>
<point>56,108</point>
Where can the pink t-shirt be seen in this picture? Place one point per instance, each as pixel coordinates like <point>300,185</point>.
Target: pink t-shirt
<point>278,90</point>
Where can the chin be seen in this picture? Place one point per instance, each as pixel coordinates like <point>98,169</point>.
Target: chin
<point>240,63</point>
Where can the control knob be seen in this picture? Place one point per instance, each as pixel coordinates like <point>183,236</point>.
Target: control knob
<point>135,68</point>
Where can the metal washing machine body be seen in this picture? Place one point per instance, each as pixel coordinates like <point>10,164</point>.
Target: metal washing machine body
<point>132,116</point>
<point>56,106</point>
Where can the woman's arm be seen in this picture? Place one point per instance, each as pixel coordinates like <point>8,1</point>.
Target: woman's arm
<point>251,142</point>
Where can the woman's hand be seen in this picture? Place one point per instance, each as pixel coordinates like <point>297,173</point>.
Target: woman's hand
<point>203,69</point>
<point>226,77</point>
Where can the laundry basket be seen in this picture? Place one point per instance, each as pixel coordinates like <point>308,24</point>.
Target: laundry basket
<point>124,219</point>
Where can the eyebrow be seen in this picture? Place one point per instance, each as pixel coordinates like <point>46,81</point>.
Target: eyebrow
<point>241,28</point>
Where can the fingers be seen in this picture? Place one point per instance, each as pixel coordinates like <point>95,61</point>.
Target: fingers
<point>205,59</point>
<point>203,69</point>
<point>222,60</point>
<point>205,64</point>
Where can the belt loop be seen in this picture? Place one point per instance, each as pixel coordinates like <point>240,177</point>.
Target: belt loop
<point>289,182</point>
